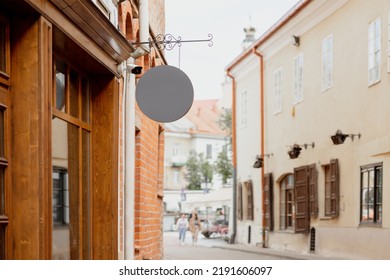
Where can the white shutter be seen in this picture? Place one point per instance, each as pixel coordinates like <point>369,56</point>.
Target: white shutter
<point>327,63</point>
<point>278,91</point>
<point>298,78</point>
<point>374,51</point>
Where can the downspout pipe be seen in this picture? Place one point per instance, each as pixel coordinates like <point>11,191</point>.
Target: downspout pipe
<point>262,138</point>
<point>143,8</point>
<point>234,158</point>
<point>129,159</point>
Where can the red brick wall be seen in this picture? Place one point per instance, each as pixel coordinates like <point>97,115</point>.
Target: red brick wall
<point>149,164</point>
<point>148,189</point>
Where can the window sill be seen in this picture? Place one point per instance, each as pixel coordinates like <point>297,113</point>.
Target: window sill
<point>326,218</point>
<point>288,231</point>
<point>370,225</point>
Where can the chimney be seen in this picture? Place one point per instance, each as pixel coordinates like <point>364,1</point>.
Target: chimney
<point>249,37</point>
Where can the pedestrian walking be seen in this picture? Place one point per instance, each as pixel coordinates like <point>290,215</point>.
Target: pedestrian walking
<point>182,225</point>
<point>195,227</point>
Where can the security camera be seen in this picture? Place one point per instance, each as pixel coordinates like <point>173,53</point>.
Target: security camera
<point>134,69</point>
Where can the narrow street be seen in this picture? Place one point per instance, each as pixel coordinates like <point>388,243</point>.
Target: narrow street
<point>207,249</point>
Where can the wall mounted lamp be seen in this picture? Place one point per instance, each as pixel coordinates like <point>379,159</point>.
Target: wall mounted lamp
<point>259,161</point>
<point>340,137</point>
<point>295,40</point>
<point>295,150</point>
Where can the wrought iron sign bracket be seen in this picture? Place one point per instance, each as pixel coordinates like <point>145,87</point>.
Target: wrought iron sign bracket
<point>168,42</point>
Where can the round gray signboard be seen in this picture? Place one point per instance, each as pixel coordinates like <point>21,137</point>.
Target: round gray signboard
<point>164,93</point>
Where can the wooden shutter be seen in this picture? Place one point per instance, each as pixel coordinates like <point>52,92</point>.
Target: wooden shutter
<point>268,195</point>
<point>239,201</point>
<point>334,188</point>
<point>249,188</point>
<point>301,189</point>
<point>313,190</point>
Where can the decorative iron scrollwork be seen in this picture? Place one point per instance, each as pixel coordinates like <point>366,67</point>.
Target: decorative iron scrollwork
<point>169,42</point>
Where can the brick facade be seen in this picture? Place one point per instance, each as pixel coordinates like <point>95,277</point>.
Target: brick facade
<point>148,189</point>
<point>149,148</point>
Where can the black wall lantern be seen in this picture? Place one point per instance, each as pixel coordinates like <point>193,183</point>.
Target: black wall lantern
<point>259,161</point>
<point>296,150</point>
<point>340,137</point>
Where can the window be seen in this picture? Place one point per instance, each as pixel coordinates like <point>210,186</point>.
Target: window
<point>60,197</point>
<point>332,189</point>
<point>176,176</point>
<point>268,194</point>
<point>371,194</point>
<point>175,149</point>
<point>71,136</point>
<point>278,91</point>
<point>249,193</point>
<point>287,205</point>
<point>374,51</point>
<point>327,63</point>
<point>4,51</point>
<point>298,199</point>
<point>3,44</point>
<point>298,78</point>
<point>209,151</point>
<point>239,202</point>
<point>3,165</point>
<point>244,109</point>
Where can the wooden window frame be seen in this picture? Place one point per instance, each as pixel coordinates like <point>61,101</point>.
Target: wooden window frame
<point>5,188</point>
<point>83,240</point>
<point>5,75</point>
<point>268,194</point>
<point>239,202</point>
<point>377,201</point>
<point>332,189</point>
<point>284,212</point>
<point>249,206</point>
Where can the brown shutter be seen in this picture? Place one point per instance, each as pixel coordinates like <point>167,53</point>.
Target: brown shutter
<point>313,190</point>
<point>250,200</point>
<point>268,195</point>
<point>334,188</point>
<point>301,191</point>
<point>239,201</point>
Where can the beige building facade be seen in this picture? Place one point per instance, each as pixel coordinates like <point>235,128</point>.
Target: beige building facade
<point>322,68</point>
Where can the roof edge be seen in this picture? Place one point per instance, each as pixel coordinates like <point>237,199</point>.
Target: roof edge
<point>296,9</point>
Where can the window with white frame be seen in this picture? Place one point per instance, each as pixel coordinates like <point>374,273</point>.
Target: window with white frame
<point>175,149</point>
<point>327,63</point>
<point>374,51</point>
<point>176,176</point>
<point>278,90</point>
<point>244,108</point>
<point>298,78</point>
<point>209,151</point>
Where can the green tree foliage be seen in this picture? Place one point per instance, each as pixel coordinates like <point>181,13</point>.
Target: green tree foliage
<point>206,169</point>
<point>224,166</point>
<point>192,174</point>
<point>225,121</point>
<point>198,171</point>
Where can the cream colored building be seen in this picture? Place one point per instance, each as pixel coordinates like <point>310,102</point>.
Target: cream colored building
<point>325,67</point>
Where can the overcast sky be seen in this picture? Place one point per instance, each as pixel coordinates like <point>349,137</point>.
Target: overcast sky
<point>225,20</point>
